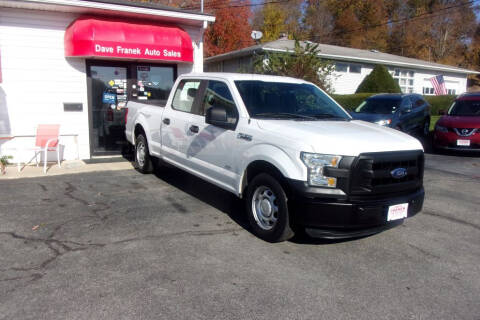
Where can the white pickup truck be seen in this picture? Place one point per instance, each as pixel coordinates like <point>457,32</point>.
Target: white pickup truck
<point>287,148</point>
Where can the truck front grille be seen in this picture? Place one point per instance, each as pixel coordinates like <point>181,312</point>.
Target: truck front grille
<point>372,172</point>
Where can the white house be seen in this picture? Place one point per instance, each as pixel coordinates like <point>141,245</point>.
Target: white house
<point>352,66</point>
<point>62,60</point>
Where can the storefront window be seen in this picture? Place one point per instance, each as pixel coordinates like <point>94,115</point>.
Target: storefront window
<point>153,83</point>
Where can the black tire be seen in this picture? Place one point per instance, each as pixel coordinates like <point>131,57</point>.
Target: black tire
<point>279,230</point>
<point>143,161</point>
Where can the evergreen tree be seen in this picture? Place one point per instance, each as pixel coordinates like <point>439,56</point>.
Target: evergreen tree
<point>379,81</point>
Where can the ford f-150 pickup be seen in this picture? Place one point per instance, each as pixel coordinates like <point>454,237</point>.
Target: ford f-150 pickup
<point>295,156</point>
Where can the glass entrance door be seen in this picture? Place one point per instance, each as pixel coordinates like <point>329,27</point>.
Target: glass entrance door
<point>108,96</point>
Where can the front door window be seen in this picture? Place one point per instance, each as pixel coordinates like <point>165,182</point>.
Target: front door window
<point>108,99</point>
<point>111,85</point>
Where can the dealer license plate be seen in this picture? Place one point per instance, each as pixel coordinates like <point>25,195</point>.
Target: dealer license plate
<point>398,211</point>
<point>463,143</point>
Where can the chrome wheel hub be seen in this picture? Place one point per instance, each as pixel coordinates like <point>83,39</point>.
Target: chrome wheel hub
<point>265,208</point>
<point>141,154</point>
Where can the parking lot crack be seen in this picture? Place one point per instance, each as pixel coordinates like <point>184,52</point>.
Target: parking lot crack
<point>176,234</point>
<point>57,247</point>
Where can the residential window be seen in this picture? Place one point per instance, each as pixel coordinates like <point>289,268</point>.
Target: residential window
<point>428,91</point>
<point>341,67</point>
<point>451,91</point>
<point>405,78</point>
<point>355,68</point>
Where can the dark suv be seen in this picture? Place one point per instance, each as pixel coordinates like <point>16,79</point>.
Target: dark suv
<point>405,112</point>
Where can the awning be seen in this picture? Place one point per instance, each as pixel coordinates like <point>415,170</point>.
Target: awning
<point>103,37</point>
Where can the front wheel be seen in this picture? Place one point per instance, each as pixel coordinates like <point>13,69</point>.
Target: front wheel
<point>267,209</point>
<point>143,161</point>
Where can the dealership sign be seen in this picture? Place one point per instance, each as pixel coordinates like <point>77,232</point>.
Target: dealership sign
<point>95,37</point>
<point>140,51</point>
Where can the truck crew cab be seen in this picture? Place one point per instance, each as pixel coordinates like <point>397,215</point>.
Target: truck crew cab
<point>295,156</point>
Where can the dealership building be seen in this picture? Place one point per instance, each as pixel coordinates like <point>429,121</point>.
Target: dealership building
<point>76,63</point>
<point>352,66</point>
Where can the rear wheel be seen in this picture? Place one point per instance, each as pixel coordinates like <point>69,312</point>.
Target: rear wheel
<point>143,161</point>
<point>267,209</point>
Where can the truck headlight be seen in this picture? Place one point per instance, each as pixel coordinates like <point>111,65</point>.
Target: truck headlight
<point>385,122</point>
<point>316,163</point>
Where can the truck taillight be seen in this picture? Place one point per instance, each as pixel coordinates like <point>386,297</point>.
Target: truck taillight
<point>126,114</point>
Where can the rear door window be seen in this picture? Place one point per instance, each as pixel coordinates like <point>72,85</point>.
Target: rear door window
<point>185,96</point>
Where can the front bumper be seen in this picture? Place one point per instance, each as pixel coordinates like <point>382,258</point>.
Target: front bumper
<point>336,218</point>
<point>448,141</point>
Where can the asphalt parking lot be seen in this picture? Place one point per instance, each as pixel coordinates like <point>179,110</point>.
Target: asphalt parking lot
<point>121,245</point>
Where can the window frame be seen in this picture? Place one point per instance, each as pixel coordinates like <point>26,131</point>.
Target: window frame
<point>347,67</point>
<point>194,108</point>
<point>407,75</point>
<point>201,99</point>
<point>355,65</point>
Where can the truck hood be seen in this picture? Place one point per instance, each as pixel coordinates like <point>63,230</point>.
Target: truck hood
<point>348,138</point>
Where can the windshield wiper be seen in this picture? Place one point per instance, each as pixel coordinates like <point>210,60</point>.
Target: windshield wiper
<point>284,115</point>
<point>327,116</point>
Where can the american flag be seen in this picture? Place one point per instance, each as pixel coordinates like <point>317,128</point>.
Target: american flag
<point>439,85</point>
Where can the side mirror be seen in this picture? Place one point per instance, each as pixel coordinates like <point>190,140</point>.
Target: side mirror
<point>441,112</point>
<point>217,116</point>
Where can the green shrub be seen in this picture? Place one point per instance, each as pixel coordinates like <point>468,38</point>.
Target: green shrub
<point>439,103</point>
<point>351,101</point>
<point>379,80</point>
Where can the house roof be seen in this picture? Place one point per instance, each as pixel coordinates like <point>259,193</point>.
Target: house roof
<point>114,7</point>
<point>343,54</point>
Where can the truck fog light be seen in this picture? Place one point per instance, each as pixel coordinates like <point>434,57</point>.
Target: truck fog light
<point>316,164</point>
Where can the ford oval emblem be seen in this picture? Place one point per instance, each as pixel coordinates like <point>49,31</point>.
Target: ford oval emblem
<point>398,173</point>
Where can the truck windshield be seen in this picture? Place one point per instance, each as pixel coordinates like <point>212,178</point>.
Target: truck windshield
<point>280,100</point>
<point>468,108</point>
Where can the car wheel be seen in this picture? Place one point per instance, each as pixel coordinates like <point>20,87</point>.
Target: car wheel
<point>143,161</point>
<point>426,128</point>
<point>267,209</point>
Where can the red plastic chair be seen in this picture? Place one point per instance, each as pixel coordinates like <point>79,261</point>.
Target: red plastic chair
<point>46,140</point>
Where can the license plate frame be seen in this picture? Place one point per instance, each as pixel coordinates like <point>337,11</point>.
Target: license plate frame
<point>463,143</point>
<point>397,211</point>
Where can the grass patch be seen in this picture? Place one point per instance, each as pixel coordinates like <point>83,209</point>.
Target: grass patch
<point>433,120</point>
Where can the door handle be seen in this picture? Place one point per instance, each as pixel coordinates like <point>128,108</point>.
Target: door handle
<point>166,121</point>
<point>194,129</point>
